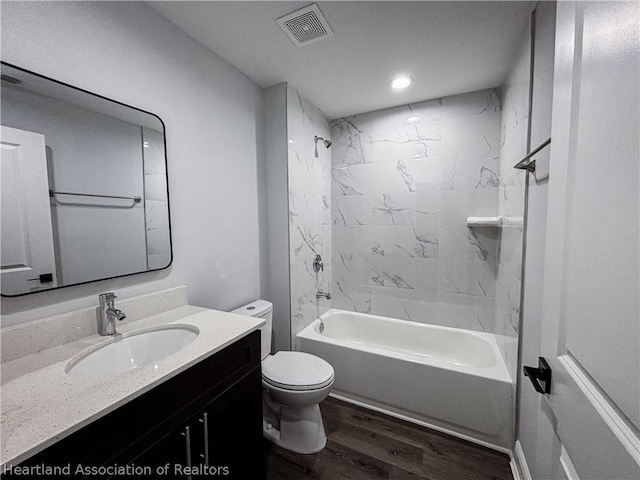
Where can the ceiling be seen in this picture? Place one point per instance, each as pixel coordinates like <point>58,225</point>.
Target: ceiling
<point>447,47</point>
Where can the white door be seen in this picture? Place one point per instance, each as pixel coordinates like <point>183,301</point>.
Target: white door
<point>590,316</point>
<point>27,237</point>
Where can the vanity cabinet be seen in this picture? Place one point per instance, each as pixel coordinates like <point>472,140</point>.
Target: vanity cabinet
<point>217,437</point>
<point>208,417</point>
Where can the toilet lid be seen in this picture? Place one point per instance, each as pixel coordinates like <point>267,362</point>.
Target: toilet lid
<point>296,371</point>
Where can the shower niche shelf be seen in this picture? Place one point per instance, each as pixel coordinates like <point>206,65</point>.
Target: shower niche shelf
<point>494,222</point>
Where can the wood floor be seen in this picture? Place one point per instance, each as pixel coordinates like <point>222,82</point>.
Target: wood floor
<point>364,445</point>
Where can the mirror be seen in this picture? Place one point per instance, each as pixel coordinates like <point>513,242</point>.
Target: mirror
<point>84,193</point>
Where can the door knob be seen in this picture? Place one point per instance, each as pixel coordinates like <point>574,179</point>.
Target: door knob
<point>540,377</point>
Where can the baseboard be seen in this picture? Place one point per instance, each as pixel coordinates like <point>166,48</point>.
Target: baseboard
<point>519,467</point>
<point>391,413</point>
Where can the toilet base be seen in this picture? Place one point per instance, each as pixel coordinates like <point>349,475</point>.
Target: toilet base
<point>300,429</point>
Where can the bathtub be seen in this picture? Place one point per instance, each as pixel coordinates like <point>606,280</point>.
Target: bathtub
<point>448,379</point>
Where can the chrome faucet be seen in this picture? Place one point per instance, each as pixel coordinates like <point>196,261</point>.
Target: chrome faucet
<point>108,314</point>
<point>320,294</point>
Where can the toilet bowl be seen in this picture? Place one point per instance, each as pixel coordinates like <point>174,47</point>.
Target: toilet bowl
<point>293,385</point>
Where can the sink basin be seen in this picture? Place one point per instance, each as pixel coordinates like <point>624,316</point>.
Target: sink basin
<point>129,351</point>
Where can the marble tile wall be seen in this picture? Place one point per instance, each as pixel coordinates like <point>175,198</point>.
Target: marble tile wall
<point>514,147</point>
<point>309,210</point>
<point>404,181</point>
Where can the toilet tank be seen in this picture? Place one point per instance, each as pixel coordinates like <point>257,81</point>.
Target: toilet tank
<point>262,309</point>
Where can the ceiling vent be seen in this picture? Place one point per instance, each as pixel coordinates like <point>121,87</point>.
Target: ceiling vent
<point>305,26</point>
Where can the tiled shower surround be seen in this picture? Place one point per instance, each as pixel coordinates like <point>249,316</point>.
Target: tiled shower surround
<point>404,181</point>
<point>309,210</point>
<point>515,122</point>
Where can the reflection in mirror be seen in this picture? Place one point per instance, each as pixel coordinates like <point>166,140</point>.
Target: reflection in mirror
<point>84,186</point>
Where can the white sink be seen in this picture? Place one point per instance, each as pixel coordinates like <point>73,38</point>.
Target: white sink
<point>132,350</point>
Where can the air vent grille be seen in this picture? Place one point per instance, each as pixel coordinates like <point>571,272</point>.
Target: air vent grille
<point>305,26</point>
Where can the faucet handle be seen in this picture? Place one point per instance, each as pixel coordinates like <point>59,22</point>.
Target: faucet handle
<point>107,297</point>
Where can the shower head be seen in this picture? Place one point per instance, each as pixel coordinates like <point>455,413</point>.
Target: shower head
<point>327,143</point>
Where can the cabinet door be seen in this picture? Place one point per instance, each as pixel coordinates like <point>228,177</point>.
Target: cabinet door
<point>234,423</point>
<point>223,439</point>
<point>164,458</point>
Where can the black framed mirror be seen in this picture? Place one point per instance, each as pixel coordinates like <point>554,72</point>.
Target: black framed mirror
<point>84,188</point>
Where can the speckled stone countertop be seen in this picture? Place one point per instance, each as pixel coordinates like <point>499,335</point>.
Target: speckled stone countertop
<point>41,404</point>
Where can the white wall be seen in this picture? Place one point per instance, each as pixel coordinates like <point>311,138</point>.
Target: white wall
<point>532,421</point>
<point>276,161</point>
<point>212,113</point>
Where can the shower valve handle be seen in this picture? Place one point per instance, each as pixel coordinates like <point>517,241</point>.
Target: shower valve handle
<point>318,264</point>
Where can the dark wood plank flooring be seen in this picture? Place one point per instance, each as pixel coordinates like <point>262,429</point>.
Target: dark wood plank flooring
<point>363,445</point>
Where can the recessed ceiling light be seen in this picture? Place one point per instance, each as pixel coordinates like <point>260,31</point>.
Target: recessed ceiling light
<point>402,81</point>
<point>412,120</point>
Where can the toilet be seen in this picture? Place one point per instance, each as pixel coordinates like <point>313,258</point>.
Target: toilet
<point>293,385</point>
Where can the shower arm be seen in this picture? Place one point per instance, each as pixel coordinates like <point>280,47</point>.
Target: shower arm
<point>327,144</point>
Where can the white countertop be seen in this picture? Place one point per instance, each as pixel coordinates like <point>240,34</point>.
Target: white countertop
<point>41,404</point>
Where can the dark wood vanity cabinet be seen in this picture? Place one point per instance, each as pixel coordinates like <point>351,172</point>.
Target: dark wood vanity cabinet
<point>216,441</point>
<point>207,418</point>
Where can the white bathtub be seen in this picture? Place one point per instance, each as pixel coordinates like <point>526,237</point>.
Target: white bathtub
<point>449,379</point>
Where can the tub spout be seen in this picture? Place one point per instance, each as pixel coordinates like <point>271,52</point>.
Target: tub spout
<point>320,294</point>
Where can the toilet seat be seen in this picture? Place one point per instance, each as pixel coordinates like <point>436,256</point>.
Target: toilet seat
<point>296,371</point>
